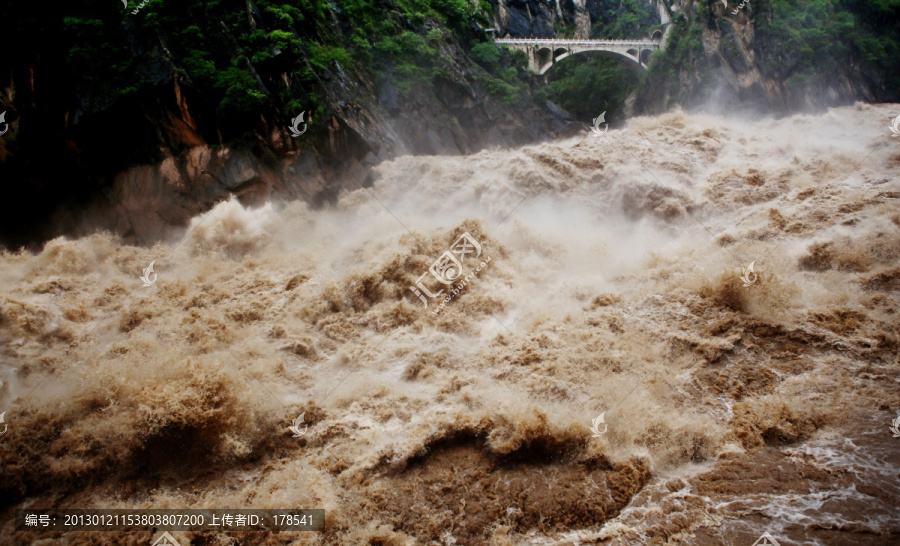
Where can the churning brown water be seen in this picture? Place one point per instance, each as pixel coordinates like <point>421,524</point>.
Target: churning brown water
<point>613,287</point>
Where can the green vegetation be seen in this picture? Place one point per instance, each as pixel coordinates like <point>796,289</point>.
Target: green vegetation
<point>684,55</point>
<point>413,58</point>
<point>628,20</point>
<point>279,54</point>
<point>239,91</point>
<point>586,86</point>
<point>487,55</point>
<point>106,72</point>
<point>564,31</point>
<point>507,80</point>
<point>806,41</point>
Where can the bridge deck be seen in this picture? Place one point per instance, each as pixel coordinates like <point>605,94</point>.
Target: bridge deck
<point>555,42</point>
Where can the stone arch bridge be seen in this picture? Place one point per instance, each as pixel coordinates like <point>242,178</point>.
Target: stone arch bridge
<point>543,53</point>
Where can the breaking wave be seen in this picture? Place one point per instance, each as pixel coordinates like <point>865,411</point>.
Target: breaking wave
<point>614,286</point>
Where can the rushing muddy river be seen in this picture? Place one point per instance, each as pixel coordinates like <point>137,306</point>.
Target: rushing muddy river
<point>684,331</point>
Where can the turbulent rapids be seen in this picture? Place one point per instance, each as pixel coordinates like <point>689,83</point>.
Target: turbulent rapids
<point>614,287</point>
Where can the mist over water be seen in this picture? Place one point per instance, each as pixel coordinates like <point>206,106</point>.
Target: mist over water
<point>613,287</point>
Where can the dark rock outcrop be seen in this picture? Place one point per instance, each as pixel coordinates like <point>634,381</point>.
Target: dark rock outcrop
<point>75,161</point>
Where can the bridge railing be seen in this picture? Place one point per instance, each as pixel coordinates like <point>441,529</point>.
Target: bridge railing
<point>551,41</point>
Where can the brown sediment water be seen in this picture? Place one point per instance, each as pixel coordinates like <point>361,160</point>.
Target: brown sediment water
<point>613,286</point>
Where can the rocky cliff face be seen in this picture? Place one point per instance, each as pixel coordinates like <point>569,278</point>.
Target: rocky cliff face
<point>142,170</point>
<point>718,61</point>
<point>721,62</point>
<point>537,19</point>
<point>574,18</point>
<point>73,160</point>
<point>367,122</point>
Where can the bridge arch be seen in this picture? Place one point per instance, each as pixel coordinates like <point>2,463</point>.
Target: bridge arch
<point>629,62</point>
<point>559,55</point>
<point>544,53</point>
<point>542,57</point>
<point>631,58</point>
